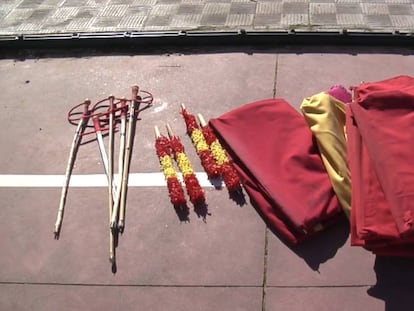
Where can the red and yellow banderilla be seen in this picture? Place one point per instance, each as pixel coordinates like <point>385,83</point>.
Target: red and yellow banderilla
<point>200,145</point>
<point>175,190</point>
<point>194,190</point>
<point>227,170</point>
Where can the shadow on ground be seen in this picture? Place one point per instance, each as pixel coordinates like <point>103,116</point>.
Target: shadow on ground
<point>394,282</point>
<point>321,247</point>
<point>324,246</point>
<point>21,54</point>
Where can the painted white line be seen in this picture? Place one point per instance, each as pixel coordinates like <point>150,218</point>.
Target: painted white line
<point>91,180</point>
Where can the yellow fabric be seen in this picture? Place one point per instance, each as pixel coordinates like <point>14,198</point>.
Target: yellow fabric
<point>326,118</point>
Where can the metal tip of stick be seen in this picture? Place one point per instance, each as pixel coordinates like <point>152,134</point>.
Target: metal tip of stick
<point>183,106</point>
<point>112,259</point>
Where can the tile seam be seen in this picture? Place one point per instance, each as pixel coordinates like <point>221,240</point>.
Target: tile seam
<point>11,283</point>
<point>266,252</point>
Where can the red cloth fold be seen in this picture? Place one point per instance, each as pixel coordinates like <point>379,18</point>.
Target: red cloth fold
<point>277,158</point>
<point>380,131</point>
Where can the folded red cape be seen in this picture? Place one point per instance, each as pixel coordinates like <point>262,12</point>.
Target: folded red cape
<point>380,131</point>
<point>278,160</point>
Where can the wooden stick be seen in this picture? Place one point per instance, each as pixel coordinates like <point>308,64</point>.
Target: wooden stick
<point>110,156</point>
<point>201,120</point>
<point>102,151</point>
<point>112,231</point>
<point>104,158</point>
<point>157,132</point>
<point>169,130</point>
<point>121,156</point>
<point>72,155</point>
<point>127,158</point>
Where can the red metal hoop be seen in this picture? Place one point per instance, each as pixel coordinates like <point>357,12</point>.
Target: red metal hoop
<point>75,114</point>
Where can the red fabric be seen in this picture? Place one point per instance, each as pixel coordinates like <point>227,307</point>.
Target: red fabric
<point>380,131</point>
<point>274,152</point>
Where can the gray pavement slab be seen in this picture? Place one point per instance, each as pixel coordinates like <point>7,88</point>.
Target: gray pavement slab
<point>324,261</point>
<point>96,298</point>
<point>341,299</point>
<point>302,71</point>
<point>19,17</point>
<point>156,249</point>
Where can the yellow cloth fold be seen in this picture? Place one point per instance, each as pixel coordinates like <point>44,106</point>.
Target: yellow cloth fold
<point>325,116</point>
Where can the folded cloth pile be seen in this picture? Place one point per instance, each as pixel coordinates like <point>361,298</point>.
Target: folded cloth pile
<point>380,131</point>
<point>297,168</point>
<point>325,115</point>
<point>280,166</point>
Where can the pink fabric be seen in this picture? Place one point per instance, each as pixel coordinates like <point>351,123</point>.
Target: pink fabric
<point>340,93</point>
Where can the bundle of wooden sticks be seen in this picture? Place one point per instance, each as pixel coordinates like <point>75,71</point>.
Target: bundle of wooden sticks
<point>109,115</point>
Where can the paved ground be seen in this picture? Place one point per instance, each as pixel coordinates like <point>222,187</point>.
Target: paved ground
<point>72,16</point>
<point>230,261</point>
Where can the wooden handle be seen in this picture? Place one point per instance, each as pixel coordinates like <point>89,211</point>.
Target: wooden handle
<point>87,103</point>
<point>201,120</point>
<point>135,90</point>
<point>169,130</point>
<point>157,132</point>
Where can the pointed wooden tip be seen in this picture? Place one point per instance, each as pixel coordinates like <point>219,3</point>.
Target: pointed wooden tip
<point>201,120</point>
<point>157,132</point>
<point>56,231</point>
<point>169,130</point>
<point>121,226</point>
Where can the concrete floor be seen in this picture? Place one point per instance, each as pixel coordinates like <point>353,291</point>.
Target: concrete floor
<point>227,261</point>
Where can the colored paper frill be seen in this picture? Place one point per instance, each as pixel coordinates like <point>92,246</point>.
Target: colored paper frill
<point>200,145</point>
<point>194,190</point>
<point>163,150</point>
<point>227,170</point>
